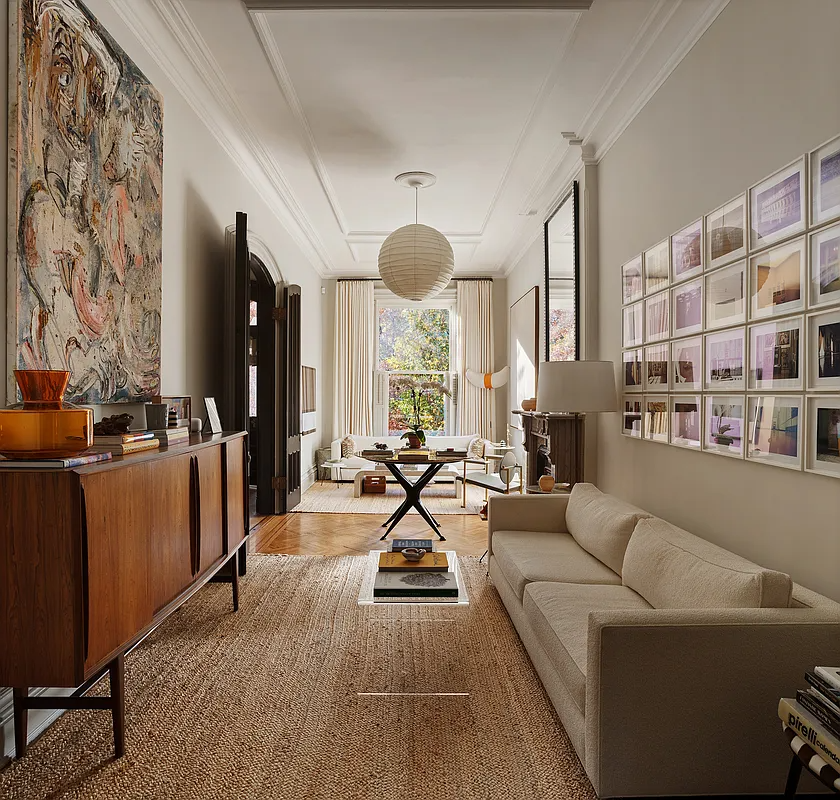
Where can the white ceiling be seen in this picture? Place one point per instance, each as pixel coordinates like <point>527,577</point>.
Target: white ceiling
<point>324,108</point>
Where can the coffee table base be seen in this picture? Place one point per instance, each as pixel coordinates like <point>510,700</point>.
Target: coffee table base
<point>412,498</point>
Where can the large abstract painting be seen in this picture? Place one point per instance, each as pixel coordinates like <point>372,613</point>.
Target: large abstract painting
<point>85,210</point>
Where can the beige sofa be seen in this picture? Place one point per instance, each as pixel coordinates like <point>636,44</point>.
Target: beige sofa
<point>664,655</point>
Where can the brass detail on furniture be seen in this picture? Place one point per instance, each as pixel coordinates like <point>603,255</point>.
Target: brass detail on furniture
<point>93,558</point>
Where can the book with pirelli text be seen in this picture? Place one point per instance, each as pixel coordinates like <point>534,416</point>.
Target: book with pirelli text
<point>806,727</point>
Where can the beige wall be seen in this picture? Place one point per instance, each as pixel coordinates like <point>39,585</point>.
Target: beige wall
<point>758,90</point>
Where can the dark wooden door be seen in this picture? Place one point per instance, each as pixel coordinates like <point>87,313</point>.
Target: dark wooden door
<point>291,460</point>
<point>237,414</point>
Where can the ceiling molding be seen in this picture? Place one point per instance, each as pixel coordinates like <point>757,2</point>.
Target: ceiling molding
<point>418,5</point>
<point>199,79</point>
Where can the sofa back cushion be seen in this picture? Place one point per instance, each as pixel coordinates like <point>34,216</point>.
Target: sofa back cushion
<point>672,568</point>
<point>601,524</point>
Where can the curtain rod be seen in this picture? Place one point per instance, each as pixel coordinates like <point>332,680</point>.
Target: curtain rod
<point>454,280</point>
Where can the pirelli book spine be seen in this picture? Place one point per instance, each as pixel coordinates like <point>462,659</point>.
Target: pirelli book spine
<point>796,717</point>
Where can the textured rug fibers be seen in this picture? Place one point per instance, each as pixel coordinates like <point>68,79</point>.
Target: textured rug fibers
<point>305,695</point>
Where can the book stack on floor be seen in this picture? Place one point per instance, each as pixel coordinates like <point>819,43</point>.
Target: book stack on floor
<point>432,579</point>
<point>815,713</point>
<point>123,443</point>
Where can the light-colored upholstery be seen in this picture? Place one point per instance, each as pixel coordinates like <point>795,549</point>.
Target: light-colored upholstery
<point>671,568</point>
<point>601,524</point>
<point>559,615</point>
<point>656,701</point>
<point>526,556</point>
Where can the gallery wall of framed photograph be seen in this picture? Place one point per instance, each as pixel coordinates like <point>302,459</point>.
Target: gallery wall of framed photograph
<point>731,326</point>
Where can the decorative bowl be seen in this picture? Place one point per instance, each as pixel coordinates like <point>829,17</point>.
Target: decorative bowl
<point>413,553</point>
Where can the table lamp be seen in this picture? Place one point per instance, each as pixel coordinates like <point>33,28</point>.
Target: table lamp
<point>576,388</point>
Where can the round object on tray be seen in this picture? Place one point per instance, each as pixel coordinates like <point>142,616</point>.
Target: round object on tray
<point>413,553</point>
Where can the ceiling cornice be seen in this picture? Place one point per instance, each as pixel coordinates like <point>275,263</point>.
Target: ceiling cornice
<point>199,79</point>
<point>418,5</point>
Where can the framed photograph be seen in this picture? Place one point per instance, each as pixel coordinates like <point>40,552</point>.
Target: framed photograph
<point>631,281</point>
<point>632,372</point>
<point>777,280</point>
<point>726,296</point>
<point>656,367</point>
<point>724,359</point>
<point>687,252</point>
<point>687,364</point>
<point>632,316</point>
<point>213,415</point>
<point>824,350</point>
<point>657,319</point>
<point>726,233</point>
<point>777,206</point>
<point>825,266</point>
<point>657,267</point>
<point>655,427</point>
<point>825,182</point>
<point>773,429</point>
<point>723,425</point>
<point>631,424</point>
<point>823,448</point>
<point>687,307</point>
<point>685,420</point>
<point>182,405</point>
<point>776,354</point>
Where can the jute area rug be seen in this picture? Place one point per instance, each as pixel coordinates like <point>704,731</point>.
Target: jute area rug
<point>329,497</point>
<point>304,695</point>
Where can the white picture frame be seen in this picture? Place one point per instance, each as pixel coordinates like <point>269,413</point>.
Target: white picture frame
<point>824,270</point>
<point>777,280</point>
<point>777,205</point>
<point>724,361</point>
<point>776,350</point>
<point>631,416</point>
<point>822,451</point>
<point>825,182</point>
<point>633,331</point>
<point>687,308</point>
<point>687,252</point>
<point>724,424</point>
<point>726,296</point>
<point>726,233</point>
<point>657,418</point>
<point>632,282</point>
<point>687,364</point>
<point>656,266</point>
<point>686,420</point>
<point>657,317</point>
<point>632,372</point>
<point>657,369</point>
<point>213,415</point>
<point>823,355</point>
<point>775,427</point>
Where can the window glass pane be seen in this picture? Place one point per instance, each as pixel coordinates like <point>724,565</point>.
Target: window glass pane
<point>252,315</point>
<point>561,321</point>
<point>414,339</point>
<point>413,398</point>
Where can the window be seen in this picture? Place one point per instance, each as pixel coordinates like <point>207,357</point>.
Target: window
<point>561,281</point>
<point>414,342</point>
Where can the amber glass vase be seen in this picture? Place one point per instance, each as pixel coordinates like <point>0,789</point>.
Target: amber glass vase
<point>43,425</point>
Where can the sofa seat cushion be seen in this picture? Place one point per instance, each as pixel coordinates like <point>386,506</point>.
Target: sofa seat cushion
<point>601,524</point>
<point>526,556</point>
<point>559,616</point>
<point>672,568</point>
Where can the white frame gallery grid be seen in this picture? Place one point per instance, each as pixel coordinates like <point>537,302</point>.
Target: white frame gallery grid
<point>731,326</point>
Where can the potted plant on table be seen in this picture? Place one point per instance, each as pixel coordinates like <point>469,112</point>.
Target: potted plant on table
<point>418,393</point>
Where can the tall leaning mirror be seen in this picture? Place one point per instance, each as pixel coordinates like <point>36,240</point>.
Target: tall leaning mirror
<point>562,339</point>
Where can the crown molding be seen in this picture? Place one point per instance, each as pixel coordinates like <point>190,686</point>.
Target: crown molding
<point>193,71</point>
<point>419,5</point>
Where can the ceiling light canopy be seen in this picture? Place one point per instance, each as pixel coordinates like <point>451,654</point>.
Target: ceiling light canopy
<point>416,261</point>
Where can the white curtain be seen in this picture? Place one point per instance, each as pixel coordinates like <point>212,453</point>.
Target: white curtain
<point>355,351</point>
<point>474,309</point>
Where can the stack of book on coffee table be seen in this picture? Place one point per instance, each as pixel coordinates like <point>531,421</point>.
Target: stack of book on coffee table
<point>432,578</point>
<point>814,715</point>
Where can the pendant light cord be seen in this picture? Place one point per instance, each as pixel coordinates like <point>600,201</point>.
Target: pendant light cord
<point>416,194</point>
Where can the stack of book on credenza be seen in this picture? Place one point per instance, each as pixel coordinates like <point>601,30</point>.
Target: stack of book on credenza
<point>432,579</point>
<point>123,443</point>
<point>170,437</point>
<point>815,713</point>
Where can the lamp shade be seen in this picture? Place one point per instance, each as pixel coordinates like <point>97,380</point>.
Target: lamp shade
<point>576,386</point>
<point>416,262</point>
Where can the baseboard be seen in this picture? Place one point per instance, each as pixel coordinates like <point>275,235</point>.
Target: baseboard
<point>39,719</point>
<point>309,477</point>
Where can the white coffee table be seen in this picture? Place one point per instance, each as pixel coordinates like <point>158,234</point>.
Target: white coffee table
<point>366,597</point>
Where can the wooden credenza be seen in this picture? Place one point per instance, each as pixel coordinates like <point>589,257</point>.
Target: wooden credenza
<point>93,558</point>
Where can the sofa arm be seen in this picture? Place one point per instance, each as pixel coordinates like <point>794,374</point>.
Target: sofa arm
<point>335,449</point>
<point>526,512</point>
<point>684,701</point>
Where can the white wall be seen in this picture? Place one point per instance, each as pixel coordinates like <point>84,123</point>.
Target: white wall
<point>758,90</point>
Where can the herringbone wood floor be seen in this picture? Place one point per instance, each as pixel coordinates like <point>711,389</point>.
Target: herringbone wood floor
<point>356,534</point>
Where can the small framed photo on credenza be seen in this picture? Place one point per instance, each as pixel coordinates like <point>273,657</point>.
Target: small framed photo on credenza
<point>726,229</point>
<point>777,205</point>
<point>775,430</point>
<point>685,420</point>
<point>824,350</point>
<point>632,374</point>
<point>182,406</point>
<point>657,267</point>
<point>631,417</point>
<point>825,266</point>
<point>687,364</point>
<point>631,281</point>
<point>213,419</point>
<point>656,417</point>
<point>823,447</point>
<point>825,182</point>
<point>723,426</point>
<point>776,361</point>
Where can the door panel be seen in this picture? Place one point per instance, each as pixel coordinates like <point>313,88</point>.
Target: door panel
<point>208,465</point>
<point>291,456</point>
<point>236,491</point>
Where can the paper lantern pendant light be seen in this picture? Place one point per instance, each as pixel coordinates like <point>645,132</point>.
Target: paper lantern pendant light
<point>416,261</point>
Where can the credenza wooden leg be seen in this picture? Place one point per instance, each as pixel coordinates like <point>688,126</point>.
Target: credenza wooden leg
<point>21,714</point>
<point>234,577</point>
<point>116,670</point>
<point>242,556</point>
